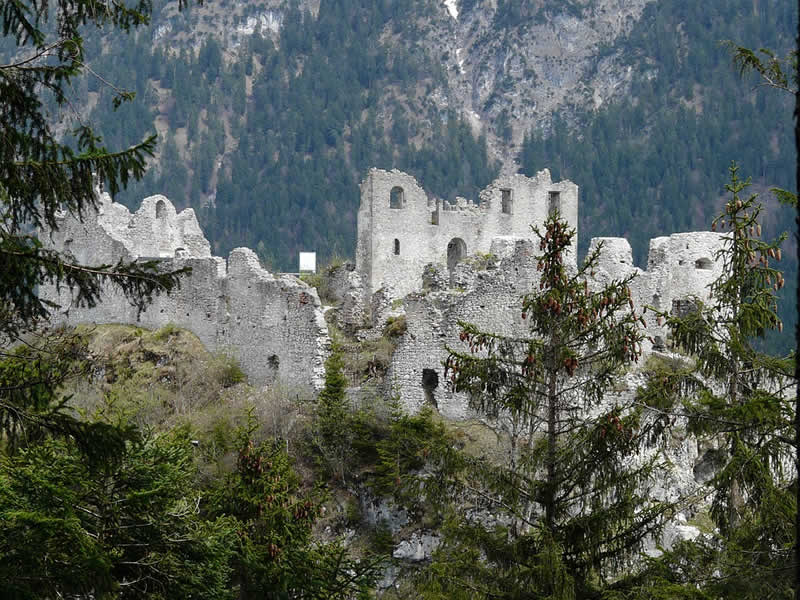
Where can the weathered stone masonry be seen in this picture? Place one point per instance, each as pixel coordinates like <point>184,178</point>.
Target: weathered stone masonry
<point>273,324</point>
<point>401,228</point>
<point>488,295</point>
<point>416,255</point>
<point>412,246</point>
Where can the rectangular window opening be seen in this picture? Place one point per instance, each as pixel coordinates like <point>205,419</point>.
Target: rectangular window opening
<point>553,203</point>
<point>507,202</point>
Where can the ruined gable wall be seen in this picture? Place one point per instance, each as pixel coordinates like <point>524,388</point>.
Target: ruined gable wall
<point>272,324</point>
<point>400,232</point>
<point>157,230</point>
<point>680,267</point>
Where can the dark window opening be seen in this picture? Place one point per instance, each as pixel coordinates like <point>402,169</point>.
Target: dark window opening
<point>161,209</point>
<point>507,203</point>
<point>274,362</point>
<point>656,301</point>
<point>553,203</point>
<point>397,198</point>
<point>396,246</point>
<point>430,381</point>
<point>456,251</point>
<point>683,307</point>
<point>703,263</point>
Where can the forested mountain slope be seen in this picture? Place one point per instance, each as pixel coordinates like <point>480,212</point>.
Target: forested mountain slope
<point>270,112</point>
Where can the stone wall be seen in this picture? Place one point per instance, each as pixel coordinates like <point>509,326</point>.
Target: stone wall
<point>450,263</point>
<point>401,228</point>
<point>680,268</point>
<point>272,324</point>
<point>490,300</point>
<point>488,294</point>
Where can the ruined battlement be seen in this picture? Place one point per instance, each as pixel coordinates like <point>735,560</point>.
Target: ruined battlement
<point>487,294</point>
<point>401,228</point>
<point>681,266</point>
<point>156,230</point>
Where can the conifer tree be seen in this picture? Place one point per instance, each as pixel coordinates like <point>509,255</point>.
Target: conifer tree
<point>741,401</point>
<point>568,509</point>
<point>42,174</point>
<point>334,422</point>
<point>276,556</point>
<point>130,529</point>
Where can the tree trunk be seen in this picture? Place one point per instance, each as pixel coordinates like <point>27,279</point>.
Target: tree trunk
<point>552,412</point>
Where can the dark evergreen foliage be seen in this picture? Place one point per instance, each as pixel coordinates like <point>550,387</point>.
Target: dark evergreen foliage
<point>300,142</point>
<point>563,513</point>
<point>276,556</point>
<point>40,175</point>
<point>131,529</point>
<point>742,402</point>
<point>88,507</point>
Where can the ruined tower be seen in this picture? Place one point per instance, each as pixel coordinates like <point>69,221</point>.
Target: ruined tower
<point>401,228</point>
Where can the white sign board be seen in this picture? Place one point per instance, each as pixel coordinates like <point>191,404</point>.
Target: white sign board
<point>308,261</point>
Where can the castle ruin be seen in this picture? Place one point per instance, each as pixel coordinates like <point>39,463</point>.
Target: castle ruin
<point>433,262</point>
<point>272,324</point>
<point>401,228</point>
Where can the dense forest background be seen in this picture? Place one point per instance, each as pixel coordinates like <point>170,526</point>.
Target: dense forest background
<point>268,142</point>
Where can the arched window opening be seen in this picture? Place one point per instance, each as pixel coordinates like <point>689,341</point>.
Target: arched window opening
<point>397,197</point>
<point>430,381</point>
<point>181,252</point>
<point>703,263</point>
<point>456,251</point>
<point>396,247</point>
<point>161,209</point>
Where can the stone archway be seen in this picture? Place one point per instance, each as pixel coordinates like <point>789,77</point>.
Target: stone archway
<point>456,251</point>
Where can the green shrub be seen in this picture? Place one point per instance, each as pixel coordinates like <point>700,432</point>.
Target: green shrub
<point>313,279</point>
<point>227,371</point>
<point>395,326</point>
<point>163,334</point>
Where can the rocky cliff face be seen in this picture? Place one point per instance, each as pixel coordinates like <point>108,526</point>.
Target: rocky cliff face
<point>511,69</point>
<point>506,68</point>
